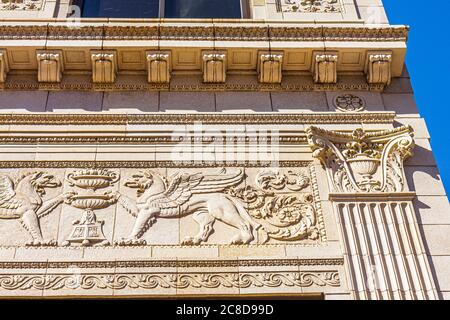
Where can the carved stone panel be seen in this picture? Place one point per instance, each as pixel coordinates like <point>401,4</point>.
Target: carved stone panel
<point>309,6</point>
<point>240,205</point>
<point>25,5</point>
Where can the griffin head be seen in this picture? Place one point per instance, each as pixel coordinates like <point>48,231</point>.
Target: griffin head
<point>42,180</point>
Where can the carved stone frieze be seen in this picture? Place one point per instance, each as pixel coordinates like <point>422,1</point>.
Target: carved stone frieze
<point>214,66</point>
<point>325,67</point>
<point>104,66</point>
<point>158,66</point>
<point>378,67</point>
<point>310,6</point>
<point>50,65</point>
<point>270,66</point>
<point>4,66</point>
<point>278,205</point>
<point>363,161</point>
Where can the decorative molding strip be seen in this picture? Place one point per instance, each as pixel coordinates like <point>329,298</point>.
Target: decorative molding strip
<point>146,164</point>
<point>191,118</point>
<point>225,32</point>
<point>170,140</point>
<point>171,263</point>
<point>138,85</point>
<point>170,280</point>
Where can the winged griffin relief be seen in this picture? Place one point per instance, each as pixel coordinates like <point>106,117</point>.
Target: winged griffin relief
<point>22,200</point>
<point>258,214</point>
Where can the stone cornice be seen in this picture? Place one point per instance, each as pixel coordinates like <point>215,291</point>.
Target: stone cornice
<point>257,31</point>
<point>191,118</point>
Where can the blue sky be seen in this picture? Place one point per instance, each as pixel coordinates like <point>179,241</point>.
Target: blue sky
<point>429,67</point>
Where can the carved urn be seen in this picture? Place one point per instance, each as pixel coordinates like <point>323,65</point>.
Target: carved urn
<point>88,230</point>
<point>364,166</point>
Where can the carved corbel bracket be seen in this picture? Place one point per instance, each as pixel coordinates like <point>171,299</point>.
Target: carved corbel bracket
<point>214,66</point>
<point>104,66</point>
<point>378,67</point>
<point>158,66</point>
<point>363,161</point>
<point>325,67</point>
<point>4,67</point>
<point>270,65</point>
<point>50,65</point>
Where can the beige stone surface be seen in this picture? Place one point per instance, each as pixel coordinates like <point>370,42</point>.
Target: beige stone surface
<point>425,181</point>
<point>187,101</point>
<point>436,239</point>
<point>130,101</point>
<point>299,101</point>
<point>433,210</point>
<point>242,101</point>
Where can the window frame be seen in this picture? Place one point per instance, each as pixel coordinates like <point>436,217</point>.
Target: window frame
<point>245,10</point>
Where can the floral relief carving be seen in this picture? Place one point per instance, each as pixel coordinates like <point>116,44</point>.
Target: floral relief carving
<point>310,6</point>
<point>349,103</point>
<point>363,161</point>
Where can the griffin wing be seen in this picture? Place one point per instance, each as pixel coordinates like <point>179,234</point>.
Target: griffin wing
<point>184,185</point>
<point>180,188</point>
<point>218,182</point>
<point>8,200</point>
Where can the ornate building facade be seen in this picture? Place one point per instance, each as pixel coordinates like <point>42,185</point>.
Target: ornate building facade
<point>241,148</point>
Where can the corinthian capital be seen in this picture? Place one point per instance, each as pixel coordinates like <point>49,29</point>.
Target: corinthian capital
<point>363,161</point>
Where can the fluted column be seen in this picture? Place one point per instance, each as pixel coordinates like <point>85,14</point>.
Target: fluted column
<point>383,249</point>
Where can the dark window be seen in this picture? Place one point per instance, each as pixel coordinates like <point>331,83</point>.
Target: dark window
<point>120,9</point>
<point>202,9</point>
<point>151,8</point>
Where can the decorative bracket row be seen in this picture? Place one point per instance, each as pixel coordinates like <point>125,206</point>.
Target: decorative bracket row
<point>214,66</point>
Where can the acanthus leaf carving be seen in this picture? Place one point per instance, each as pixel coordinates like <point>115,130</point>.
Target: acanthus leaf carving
<point>363,161</point>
